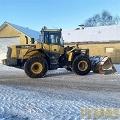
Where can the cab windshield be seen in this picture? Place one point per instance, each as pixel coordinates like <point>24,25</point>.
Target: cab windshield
<point>54,38</point>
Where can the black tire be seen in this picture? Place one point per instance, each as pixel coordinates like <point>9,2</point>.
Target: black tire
<point>36,67</point>
<point>69,69</point>
<point>81,65</point>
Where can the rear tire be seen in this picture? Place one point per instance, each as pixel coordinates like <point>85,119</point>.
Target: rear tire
<point>81,65</point>
<point>36,67</point>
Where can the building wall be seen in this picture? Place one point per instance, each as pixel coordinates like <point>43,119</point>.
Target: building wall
<point>106,49</point>
<point>9,31</point>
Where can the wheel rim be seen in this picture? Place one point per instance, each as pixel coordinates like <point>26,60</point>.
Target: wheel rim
<point>82,65</point>
<point>36,68</point>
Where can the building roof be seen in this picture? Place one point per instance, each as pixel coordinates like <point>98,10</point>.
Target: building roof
<point>93,34</point>
<point>30,33</point>
<point>88,34</point>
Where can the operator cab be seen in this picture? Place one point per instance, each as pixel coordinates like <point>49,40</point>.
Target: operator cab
<point>53,44</point>
<point>52,36</point>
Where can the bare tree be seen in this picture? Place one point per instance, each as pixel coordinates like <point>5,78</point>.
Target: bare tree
<point>89,23</point>
<point>93,21</point>
<point>105,18</point>
<point>116,19</point>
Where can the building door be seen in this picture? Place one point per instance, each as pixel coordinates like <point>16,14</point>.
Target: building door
<point>4,42</point>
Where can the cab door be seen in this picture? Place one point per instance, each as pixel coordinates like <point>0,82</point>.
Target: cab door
<point>46,42</point>
<point>54,47</point>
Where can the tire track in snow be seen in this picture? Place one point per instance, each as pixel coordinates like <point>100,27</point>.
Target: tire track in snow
<point>29,103</point>
<point>59,95</point>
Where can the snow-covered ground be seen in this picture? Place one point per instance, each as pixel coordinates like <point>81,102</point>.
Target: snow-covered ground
<point>21,103</point>
<point>32,103</point>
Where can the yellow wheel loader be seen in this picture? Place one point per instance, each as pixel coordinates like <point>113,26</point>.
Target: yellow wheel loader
<point>37,58</point>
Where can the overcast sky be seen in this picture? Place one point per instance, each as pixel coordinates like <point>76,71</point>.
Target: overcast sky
<point>65,14</point>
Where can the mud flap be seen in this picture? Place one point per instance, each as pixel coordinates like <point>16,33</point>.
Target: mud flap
<point>102,65</point>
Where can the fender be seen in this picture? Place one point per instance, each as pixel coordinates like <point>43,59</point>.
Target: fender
<point>35,52</point>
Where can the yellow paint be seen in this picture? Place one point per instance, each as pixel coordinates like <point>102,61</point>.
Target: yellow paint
<point>9,31</point>
<point>36,67</point>
<point>82,65</point>
<point>70,56</point>
<point>99,49</point>
<point>14,53</point>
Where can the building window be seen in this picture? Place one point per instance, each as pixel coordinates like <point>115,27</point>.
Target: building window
<point>109,49</point>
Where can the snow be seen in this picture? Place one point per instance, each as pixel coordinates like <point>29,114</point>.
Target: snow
<point>92,34</point>
<point>49,104</point>
<point>29,103</point>
<point>117,66</point>
<point>2,56</point>
<point>37,104</point>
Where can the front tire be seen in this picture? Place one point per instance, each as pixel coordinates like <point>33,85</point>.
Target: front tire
<point>36,67</point>
<point>81,65</point>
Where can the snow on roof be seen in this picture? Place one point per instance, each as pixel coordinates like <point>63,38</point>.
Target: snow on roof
<point>88,34</point>
<point>31,33</point>
<point>93,34</point>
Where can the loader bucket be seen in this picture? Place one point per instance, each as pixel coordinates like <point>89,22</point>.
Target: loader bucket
<point>102,65</point>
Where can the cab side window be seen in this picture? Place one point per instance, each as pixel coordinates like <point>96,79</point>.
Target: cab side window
<point>46,38</point>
